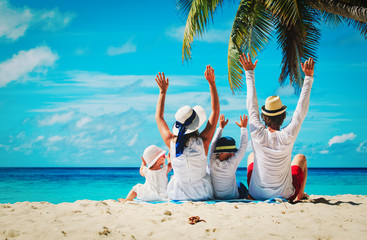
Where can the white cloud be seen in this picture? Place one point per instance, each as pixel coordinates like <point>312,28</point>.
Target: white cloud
<point>109,151</point>
<point>107,81</point>
<point>83,121</point>
<point>82,140</point>
<point>55,139</point>
<point>125,48</point>
<point>324,151</point>
<point>215,35</point>
<point>56,118</point>
<point>14,21</point>
<point>52,20</point>
<point>133,140</point>
<point>5,146</point>
<point>176,32</point>
<point>39,138</point>
<point>82,51</point>
<point>211,36</point>
<point>362,147</point>
<point>341,139</point>
<point>26,62</point>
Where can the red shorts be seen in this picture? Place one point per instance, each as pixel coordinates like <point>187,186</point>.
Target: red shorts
<point>297,176</point>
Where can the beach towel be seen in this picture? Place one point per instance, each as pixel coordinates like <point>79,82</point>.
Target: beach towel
<point>271,200</point>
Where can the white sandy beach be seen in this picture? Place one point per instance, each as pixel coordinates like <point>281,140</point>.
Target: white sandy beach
<point>322,217</point>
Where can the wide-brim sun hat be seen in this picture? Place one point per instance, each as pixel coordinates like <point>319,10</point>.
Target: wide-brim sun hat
<point>273,106</point>
<point>152,154</point>
<point>185,113</point>
<point>225,145</point>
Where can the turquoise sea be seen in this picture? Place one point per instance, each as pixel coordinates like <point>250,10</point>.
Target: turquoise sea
<point>58,185</point>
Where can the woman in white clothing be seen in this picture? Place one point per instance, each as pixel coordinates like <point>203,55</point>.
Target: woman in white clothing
<point>188,147</point>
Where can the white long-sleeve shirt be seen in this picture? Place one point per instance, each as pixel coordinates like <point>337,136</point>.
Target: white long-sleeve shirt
<point>272,176</point>
<point>223,173</point>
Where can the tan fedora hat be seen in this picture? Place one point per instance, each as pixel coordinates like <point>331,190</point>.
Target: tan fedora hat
<point>273,106</point>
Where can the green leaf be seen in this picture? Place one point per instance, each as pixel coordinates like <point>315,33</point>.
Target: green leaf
<point>298,43</point>
<point>250,33</point>
<point>199,12</point>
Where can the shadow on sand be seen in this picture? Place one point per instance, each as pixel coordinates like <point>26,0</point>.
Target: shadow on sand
<point>326,201</point>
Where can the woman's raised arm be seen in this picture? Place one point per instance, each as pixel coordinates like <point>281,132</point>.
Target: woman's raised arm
<point>165,132</point>
<point>208,132</point>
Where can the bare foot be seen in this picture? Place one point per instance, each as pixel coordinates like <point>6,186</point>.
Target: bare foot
<point>303,197</point>
<point>122,200</point>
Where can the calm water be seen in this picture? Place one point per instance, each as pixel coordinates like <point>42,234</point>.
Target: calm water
<point>57,185</point>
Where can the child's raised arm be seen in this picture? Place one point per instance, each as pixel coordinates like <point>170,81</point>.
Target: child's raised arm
<point>222,121</point>
<point>238,156</point>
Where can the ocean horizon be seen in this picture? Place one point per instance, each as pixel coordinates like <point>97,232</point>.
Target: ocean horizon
<point>69,184</point>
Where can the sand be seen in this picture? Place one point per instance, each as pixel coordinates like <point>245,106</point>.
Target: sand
<point>322,217</point>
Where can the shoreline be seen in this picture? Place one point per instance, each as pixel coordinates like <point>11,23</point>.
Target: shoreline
<point>320,217</point>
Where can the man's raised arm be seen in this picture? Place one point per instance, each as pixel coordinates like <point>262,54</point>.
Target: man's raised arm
<point>252,104</point>
<point>304,100</point>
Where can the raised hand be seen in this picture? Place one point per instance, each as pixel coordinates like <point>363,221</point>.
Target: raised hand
<point>247,62</point>
<point>162,82</point>
<point>209,74</point>
<point>308,67</point>
<point>243,121</point>
<point>222,121</point>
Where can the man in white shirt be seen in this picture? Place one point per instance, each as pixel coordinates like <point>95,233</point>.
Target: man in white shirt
<point>270,169</point>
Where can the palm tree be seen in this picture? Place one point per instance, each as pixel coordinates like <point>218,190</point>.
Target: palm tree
<point>294,23</point>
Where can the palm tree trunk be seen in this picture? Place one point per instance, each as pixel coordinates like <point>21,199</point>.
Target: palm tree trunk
<point>358,13</point>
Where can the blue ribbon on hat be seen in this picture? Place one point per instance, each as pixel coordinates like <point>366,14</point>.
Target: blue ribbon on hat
<point>181,133</point>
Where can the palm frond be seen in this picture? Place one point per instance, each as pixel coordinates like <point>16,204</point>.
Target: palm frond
<point>353,9</point>
<point>199,12</point>
<point>286,10</point>
<point>234,67</point>
<point>331,19</point>
<point>250,33</point>
<point>183,7</point>
<point>298,42</point>
<point>360,26</point>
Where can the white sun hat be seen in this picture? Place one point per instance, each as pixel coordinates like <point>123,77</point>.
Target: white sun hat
<point>185,113</point>
<point>152,154</point>
<point>273,106</point>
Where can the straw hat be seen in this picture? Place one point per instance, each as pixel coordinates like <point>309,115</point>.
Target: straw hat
<point>273,106</point>
<point>185,113</point>
<point>152,154</point>
<point>225,145</point>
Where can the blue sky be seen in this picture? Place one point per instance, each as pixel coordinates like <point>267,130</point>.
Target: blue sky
<point>77,83</point>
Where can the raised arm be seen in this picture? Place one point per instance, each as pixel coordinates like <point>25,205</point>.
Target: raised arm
<point>208,132</point>
<point>252,104</point>
<point>300,113</point>
<point>238,156</point>
<point>217,135</point>
<point>165,132</point>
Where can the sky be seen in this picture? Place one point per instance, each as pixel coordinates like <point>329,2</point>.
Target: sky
<point>77,84</point>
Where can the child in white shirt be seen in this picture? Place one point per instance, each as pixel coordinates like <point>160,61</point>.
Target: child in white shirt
<point>155,171</point>
<point>224,160</point>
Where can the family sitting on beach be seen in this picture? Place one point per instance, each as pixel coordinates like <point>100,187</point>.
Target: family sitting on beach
<point>270,170</point>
